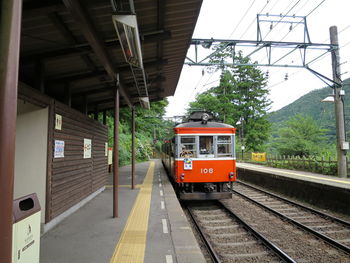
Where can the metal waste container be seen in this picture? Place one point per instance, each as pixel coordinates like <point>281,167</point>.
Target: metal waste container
<point>26,230</point>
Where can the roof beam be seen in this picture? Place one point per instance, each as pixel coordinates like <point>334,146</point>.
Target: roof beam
<point>90,33</point>
<point>68,35</point>
<point>90,74</point>
<point>79,49</point>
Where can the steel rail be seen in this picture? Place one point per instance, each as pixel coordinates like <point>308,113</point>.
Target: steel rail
<point>204,237</point>
<point>329,240</point>
<point>280,253</point>
<point>326,216</point>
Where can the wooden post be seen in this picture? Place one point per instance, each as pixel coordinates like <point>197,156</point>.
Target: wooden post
<point>68,95</point>
<point>338,106</point>
<point>96,112</point>
<point>116,154</point>
<point>10,28</point>
<point>40,76</point>
<point>133,157</point>
<point>104,117</point>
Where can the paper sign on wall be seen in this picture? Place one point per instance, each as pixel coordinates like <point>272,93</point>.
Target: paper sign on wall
<point>59,149</point>
<point>58,122</point>
<point>87,148</point>
<point>110,155</point>
<point>106,149</point>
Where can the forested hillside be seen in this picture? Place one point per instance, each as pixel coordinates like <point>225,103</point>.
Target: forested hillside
<point>311,105</point>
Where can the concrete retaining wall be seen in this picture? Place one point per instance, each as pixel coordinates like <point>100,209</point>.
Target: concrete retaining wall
<point>323,196</point>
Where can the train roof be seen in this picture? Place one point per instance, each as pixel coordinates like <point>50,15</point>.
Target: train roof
<point>199,124</point>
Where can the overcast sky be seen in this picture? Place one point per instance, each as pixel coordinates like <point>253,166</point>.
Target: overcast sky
<point>236,19</point>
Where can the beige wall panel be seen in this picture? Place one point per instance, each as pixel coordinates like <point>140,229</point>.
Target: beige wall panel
<point>31,152</point>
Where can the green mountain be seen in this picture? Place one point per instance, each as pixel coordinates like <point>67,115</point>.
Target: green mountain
<point>310,104</point>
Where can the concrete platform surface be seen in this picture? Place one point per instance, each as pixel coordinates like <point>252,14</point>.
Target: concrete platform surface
<point>151,226</point>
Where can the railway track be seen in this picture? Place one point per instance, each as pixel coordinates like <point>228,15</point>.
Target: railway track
<point>332,230</point>
<point>229,239</point>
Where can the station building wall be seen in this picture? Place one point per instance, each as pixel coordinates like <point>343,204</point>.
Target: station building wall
<point>75,176</point>
<point>61,180</point>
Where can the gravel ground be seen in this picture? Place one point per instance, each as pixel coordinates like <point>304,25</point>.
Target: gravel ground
<point>332,229</point>
<point>301,246</point>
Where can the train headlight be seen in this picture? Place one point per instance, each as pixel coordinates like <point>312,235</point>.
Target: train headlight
<point>231,175</point>
<point>182,177</point>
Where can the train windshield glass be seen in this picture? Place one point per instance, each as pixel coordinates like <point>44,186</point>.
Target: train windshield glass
<point>224,146</point>
<point>206,146</point>
<point>188,147</point>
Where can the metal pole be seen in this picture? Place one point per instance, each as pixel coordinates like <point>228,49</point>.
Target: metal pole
<point>116,154</point>
<point>338,106</point>
<point>133,157</point>
<point>10,28</point>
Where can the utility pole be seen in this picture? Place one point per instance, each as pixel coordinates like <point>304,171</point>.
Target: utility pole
<point>342,145</point>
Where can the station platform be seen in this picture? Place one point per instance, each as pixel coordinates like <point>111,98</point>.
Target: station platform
<point>151,226</point>
<point>323,191</point>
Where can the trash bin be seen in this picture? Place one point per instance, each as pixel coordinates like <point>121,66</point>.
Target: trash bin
<point>26,230</point>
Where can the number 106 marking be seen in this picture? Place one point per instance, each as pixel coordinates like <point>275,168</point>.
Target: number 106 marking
<point>207,170</point>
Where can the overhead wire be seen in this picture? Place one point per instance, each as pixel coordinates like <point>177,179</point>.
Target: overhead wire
<point>234,30</point>
<point>313,10</point>
<point>316,60</point>
<point>254,20</point>
<point>240,21</point>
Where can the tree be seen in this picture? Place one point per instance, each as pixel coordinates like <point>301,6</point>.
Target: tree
<point>240,96</point>
<point>151,129</point>
<point>302,136</point>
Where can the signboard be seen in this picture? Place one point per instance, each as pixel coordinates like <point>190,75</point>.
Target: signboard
<point>59,149</point>
<point>58,122</point>
<point>187,164</point>
<point>259,157</point>
<point>110,155</point>
<point>87,148</point>
<point>106,149</point>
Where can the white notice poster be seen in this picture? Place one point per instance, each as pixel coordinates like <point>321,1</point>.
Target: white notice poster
<point>106,149</point>
<point>87,148</point>
<point>59,149</point>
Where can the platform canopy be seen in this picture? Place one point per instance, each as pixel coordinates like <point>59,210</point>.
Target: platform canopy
<point>70,50</point>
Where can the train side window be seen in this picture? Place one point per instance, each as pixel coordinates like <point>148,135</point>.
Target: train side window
<point>188,147</point>
<point>224,146</point>
<point>206,146</point>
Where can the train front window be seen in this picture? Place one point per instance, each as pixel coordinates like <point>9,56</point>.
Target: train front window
<point>224,146</point>
<point>188,147</point>
<point>206,146</point>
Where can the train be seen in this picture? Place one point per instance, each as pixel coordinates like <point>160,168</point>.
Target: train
<point>200,159</point>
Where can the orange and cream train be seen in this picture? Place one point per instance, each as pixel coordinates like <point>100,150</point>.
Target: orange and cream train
<point>201,158</point>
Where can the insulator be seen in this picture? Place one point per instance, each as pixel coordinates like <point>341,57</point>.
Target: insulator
<point>271,26</point>
<point>267,74</point>
<point>286,76</point>
<point>291,27</point>
<point>202,72</point>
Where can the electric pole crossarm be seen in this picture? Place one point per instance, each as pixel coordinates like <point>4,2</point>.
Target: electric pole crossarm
<point>230,42</point>
<point>323,78</point>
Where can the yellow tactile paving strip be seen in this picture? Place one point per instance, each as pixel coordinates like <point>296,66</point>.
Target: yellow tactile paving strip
<point>124,186</point>
<point>296,174</point>
<point>132,244</point>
